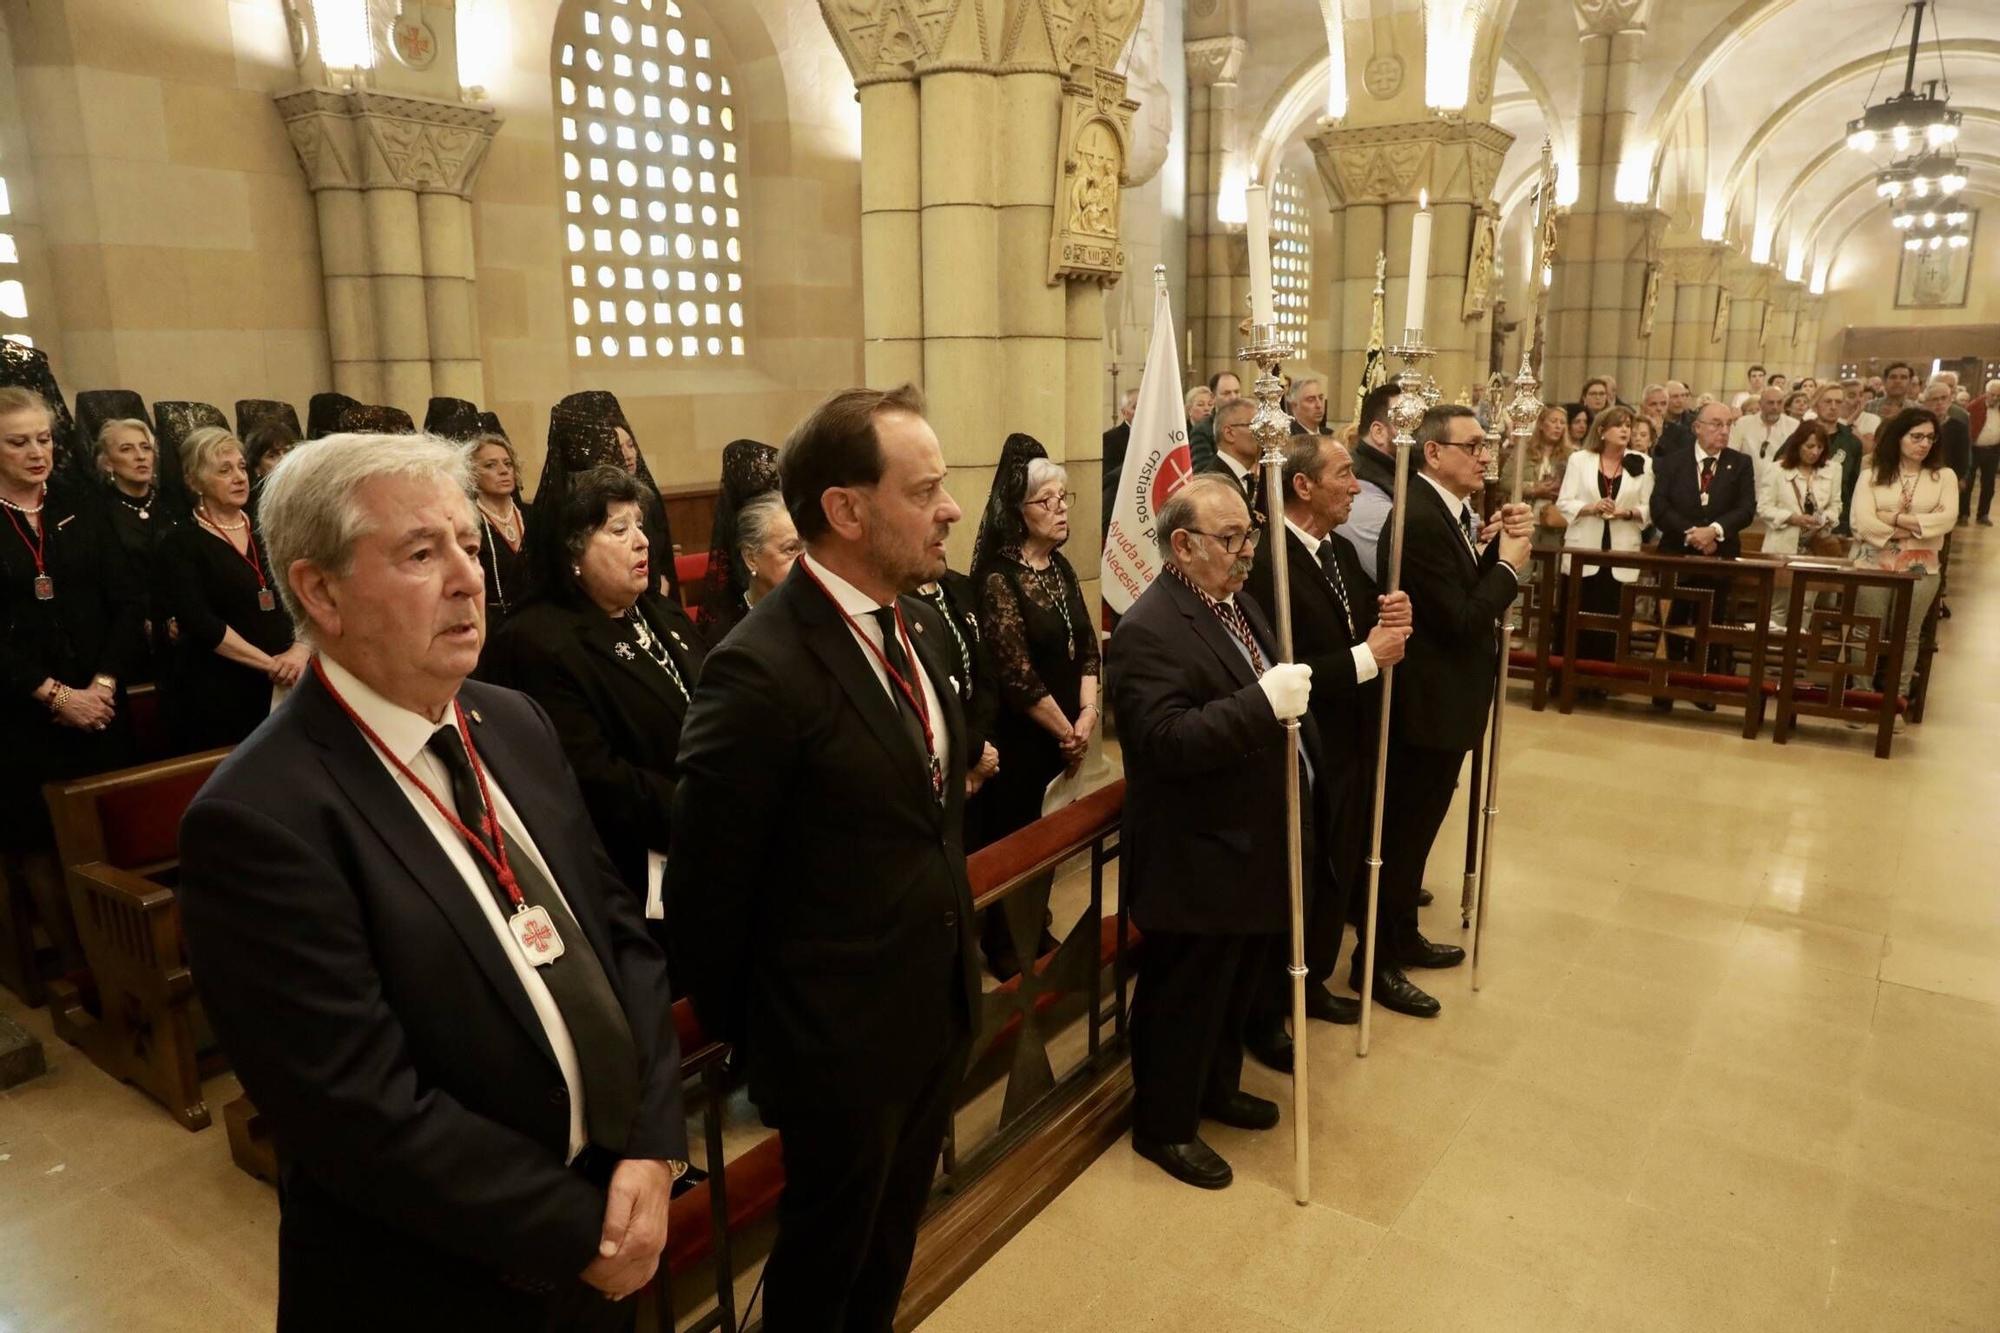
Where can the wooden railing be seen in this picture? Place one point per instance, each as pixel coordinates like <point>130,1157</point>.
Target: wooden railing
<point>1700,631</point>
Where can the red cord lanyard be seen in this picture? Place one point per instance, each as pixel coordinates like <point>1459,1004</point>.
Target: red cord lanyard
<point>248,555</point>
<point>910,692</point>
<point>45,588</point>
<point>495,859</point>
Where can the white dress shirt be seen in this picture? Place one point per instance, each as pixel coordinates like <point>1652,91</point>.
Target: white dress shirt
<point>407,734</point>
<point>1365,666</point>
<point>1989,434</point>
<point>1236,469</point>
<point>861,609</point>
<point>1761,439</point>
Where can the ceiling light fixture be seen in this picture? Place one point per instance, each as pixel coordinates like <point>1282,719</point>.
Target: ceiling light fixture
<point>1912,117</point>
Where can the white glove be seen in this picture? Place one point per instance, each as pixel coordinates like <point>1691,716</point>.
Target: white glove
<point>1289,687</point>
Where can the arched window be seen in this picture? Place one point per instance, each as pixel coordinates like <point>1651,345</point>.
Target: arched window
<point>13,295</point>
<point>646,128</point>
<point>1291,259</point>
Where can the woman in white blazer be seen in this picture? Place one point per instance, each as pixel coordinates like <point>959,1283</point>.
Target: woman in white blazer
<point>1798,496</point>
<point>1606,495</point>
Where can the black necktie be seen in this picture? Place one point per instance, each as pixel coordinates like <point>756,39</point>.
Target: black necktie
<point>1707,471</point>
<point>1330,562</point>
<point>605,1053</point>
<point>899,664</point>
<point>1465,526</point>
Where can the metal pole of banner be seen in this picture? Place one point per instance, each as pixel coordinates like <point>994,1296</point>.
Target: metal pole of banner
<point>1524,413</point>
<point>1272,428</point>
<point>1406,414</point>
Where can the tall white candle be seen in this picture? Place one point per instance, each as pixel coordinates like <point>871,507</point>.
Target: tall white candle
<point>1420,262</point>
<point>1258,205</point>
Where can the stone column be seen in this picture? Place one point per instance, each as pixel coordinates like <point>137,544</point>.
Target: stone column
<point>992,155</point>
<point>1812,311</point>
<point>393,178</point>
<point>1596,298</point>
<point>1218,257</point>
<point>1696,275</point>
<point>1374,174</point>
<point>892,274</point>
<point>1749,287</point>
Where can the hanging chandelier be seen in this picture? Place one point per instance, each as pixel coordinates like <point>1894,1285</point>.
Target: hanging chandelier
<point>1931,176</point>
<point>1933,230</point>
<point>1914,117</point>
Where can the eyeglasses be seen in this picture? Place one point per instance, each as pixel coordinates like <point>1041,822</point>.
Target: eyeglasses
<point>1055,504</point>
<point>1922,437</point>
<point>1473,447</point>
<point>1233,543</point>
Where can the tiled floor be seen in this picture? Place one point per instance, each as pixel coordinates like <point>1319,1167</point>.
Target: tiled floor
<point>1734,1064</point>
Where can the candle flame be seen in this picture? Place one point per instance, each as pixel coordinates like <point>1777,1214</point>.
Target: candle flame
<point>1423,199</point>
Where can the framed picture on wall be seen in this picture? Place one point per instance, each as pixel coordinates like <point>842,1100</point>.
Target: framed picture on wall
<point>1937,279</point>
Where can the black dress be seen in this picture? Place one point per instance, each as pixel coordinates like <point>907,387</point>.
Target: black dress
<point>213,587</point>
<point>957,602</point>
<point>86,629</point>
<point>1600,587</point>
<point>141,526</point>
<point>506,566</point>
<point>617,698</point>
<point>1043,644</point>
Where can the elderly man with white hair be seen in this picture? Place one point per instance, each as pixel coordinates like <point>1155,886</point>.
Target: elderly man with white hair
<point>414,948</point>
<point>1984,428</point>
<point>1954,440</point>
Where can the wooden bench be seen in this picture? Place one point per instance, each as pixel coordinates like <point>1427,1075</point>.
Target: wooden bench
<point>134,1013</point>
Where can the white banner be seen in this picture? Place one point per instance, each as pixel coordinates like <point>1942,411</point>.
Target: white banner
<point>1157,463</point>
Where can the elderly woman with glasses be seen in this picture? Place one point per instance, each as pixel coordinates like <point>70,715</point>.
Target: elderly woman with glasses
<point>1044,645</point>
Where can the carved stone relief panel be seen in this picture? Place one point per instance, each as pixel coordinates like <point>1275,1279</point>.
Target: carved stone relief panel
<point>1092,147</point>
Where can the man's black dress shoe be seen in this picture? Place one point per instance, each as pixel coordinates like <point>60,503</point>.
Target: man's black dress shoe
<point>1327,1007</point>
<point>1242,1110</point>
<point>1704,706</point>
<point>1272,1049</point>
<point>1663,705</point>
<point>1394,991</point>
<point>1426,954</point>
<point>1193,1162</point>
<point>1424,898</point>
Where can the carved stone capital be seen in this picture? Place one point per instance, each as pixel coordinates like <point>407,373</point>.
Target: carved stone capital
<point>1457,161</point>
<point>888,40</point>
<point>367,140</point>
<point>1697,264</point>
<point>1095,138</point>
<point>1605,18</point>
<point>1213,60</point>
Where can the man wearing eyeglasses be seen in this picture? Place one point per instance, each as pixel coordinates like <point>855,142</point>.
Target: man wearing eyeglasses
<point>1201,699</point>
<point>1237,452</point>
<point>1461,579</point>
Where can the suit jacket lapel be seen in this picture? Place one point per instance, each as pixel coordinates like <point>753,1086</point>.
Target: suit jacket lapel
<point>359,771</point>
<point>1308,573</point>
<point>1208,628</point>
<point>1452,528</point>
<point>833,643</point>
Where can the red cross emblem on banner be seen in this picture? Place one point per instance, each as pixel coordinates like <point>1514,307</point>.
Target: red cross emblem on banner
<point>1175,469</point>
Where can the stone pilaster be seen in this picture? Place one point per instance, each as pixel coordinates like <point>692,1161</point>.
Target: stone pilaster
<point>392,178</point>
<point>1751,317</point>
<point>1218,258</point>
<point>1595,301</point>
<point>1373,175</point>
<point>993,144</point>
<point>1694,275</point>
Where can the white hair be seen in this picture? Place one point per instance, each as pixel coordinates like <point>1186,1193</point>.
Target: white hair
<point>1041,472</point>
<point>200,450</point>
<point>311,509</point>
<point>105,432</point>
<point>756,519</point>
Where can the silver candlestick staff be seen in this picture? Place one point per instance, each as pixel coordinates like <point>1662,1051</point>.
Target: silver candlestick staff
<point>1406,414</point>
<point>1272,428</point>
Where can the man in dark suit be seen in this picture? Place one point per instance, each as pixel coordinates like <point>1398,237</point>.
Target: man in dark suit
<point>1347,635</point>
<point>1677,432</point>
<point>1703,498</point>
<point>1202,436</point>
<point>413,946</point>
<point>1116,441</point>
<point>1954,438</point>
<point>1201,700</point>
<point>817,874</point>
<point>1237,452</point>
<point>1459,592</point>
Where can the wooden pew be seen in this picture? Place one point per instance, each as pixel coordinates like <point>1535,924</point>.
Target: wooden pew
<point>135,1014</point>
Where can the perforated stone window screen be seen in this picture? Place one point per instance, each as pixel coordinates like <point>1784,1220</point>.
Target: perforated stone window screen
<point>13,294</point>
<point>647,137</point>
<point>1291,258</point>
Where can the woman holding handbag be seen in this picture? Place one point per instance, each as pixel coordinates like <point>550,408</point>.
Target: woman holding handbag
<point>1549,451</point>
<point>1903,511</point>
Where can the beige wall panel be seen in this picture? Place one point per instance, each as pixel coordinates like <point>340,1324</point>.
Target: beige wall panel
<point>230,128</point>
